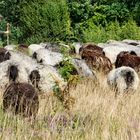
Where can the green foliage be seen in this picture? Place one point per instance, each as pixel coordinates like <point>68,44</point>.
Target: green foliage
<point>15,33</point>
<point>130,30</point>
<point>68,20</point>
<point>80,11</point>
<point>57,91</point>
<point>66,69</point>
<point>136,13</point>
<point>112,30</point>
<point>115,11</point>
<point>48,20</point>
<point>10,9</point>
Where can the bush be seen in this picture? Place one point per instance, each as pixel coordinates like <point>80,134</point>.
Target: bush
<point>130,30</point>
<point>136,13</point>
<point>113,30</point>
<point>45,21</point>
<point>66,69</point>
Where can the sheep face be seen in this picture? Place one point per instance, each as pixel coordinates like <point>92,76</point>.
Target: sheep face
<point>12,72</point>
<point>34,55</point>
<point>35,77</point>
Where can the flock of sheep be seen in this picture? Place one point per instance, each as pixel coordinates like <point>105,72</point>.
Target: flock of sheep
<point>21,76</point>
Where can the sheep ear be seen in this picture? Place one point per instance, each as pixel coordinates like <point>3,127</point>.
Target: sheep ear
<point>41,61</point>
<point>7,55</point>
<point>34,55</point>
<point>103,53</point>
<point>133,53</point>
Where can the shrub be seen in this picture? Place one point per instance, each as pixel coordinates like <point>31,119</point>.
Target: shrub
<point>136,12</point>
<point>130,30</point>
<point>66,69</point>
<point>113,30</point>
<point>50,21</point>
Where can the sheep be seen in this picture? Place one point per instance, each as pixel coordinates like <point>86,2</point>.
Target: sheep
<point>131,42</point>
<point>130,59</point>
<point>36,74</point>
<point>123,79</point>
<point>77,46</point>
<point>47,57</point>
<point>112,51</point>
<point>22,99</point>
<point>27,62</point>
<point>96,61</point>
<point>111,43</point>
<point>34,47</point>
<point>18,94</point>
<point>45,77</point>
<point>55,46</point>
<point>92,47</point>
<point>82,68</point>
<point>4,55</point>
<point>12,71</point>
<point>10,47</point>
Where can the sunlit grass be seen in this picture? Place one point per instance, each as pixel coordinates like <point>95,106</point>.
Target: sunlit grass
<point>96,114</point>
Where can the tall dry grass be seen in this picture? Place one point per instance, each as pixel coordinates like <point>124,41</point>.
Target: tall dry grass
<point>96,115</point>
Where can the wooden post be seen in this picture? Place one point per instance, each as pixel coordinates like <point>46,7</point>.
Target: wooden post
<point>8,32</point>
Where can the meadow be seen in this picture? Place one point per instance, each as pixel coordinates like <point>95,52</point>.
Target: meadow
<point>96,114</point>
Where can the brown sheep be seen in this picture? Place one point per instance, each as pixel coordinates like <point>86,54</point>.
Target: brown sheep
<point>4,55</point>
<point>129,59</point>
<point>92,47</point>
<point>97,61</point>
<point>22,99</point>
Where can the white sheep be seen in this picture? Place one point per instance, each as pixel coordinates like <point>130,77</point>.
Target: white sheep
<point>47,76</point>
<point>123,79</point>
<point>27,62</point>
<point>131,42</point>
<point>47,73</point>
<point>47,57</point>
<point>34,47</point>
<point>112,51</point>
<point>77,46</point>
<point>10,47</point>
<point>4,73</point>
<point>82,68</point>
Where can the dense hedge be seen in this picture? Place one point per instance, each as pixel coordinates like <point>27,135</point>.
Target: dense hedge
<point>71,20</point>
